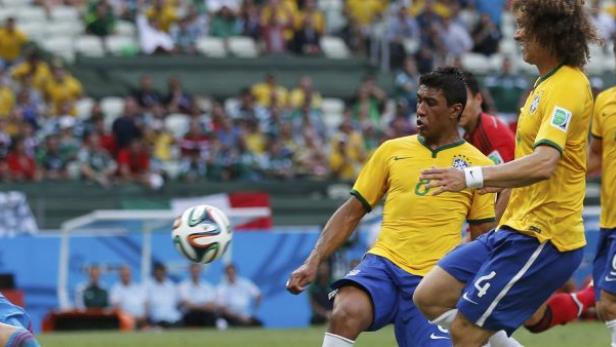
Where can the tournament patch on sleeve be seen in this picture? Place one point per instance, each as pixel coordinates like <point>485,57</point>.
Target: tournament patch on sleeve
<point>496,157</point>
<point>561,118</point>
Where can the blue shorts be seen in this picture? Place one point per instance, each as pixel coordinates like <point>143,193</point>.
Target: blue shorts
<point>508,276</point>
<point>13,315</point>
<point>604,264</point>
<point>391,290</point>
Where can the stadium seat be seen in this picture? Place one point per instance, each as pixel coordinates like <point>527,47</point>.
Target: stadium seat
<point>411,46</point>
<point>89,46</point>
<point>30,14</point>
<point>332,121</point>
<point>230,104</point>
<point>125,28</point>
<point>118,44</point>
<point>177,124</point>
<point>60,46</point>
<point>112,106</point>
<point>508,46</point>
<point>476,63</point>
<point>5,13</point>
<point>84,107</point>
<point>334,47</point>
<point>67,27</point>
<point>332,105</point>
<point>36,31</point>
<point>243,46</point>
<point>13,4</point>
<point>64,13</point>
<point>211,47</point>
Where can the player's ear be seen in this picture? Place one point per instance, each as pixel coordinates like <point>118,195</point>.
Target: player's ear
<point>455,110</point>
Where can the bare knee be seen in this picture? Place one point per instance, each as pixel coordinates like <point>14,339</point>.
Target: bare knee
<point>437,293</point>
<point>352,312</point>
<point>465,333</point>
<point>606,306</point>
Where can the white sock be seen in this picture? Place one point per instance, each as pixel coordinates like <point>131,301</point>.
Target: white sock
<point>333,340</point>
<point>445,320</point>
<point>611,325</point>
<point>500,339</point>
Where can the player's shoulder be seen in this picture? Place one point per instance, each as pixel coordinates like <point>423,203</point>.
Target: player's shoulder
<point>392,145</point>
<point>571,76</point>
<point>605,95</point>
<point>474,155</point>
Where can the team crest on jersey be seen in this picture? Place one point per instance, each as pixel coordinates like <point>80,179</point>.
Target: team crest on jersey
<point>535,104</point>
<point>460,162</point>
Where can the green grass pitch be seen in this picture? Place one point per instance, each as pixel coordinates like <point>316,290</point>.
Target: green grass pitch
<point>572,335</point>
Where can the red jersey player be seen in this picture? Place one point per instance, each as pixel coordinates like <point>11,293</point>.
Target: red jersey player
<point>496,140</point>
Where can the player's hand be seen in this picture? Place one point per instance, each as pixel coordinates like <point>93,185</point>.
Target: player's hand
<point>445,180</point>
<point>301,277</point>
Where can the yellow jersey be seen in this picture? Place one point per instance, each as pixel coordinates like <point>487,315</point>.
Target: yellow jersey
<point>418,229</point>
<point>604,129</point>
<point>7,101</point>
<point>40,74</point>
<point>11,44</point>
<point>263,93</point>
<point>365,11</point>
<point>557,113</point>
<point>59,92</point>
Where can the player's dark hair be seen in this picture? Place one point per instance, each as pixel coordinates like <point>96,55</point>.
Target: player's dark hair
<point>451,81</point>
<point>562,26</point>
<point>471,82</point>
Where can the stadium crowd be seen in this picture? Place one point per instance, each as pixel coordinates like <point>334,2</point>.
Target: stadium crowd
<point>267,131</point>
<point>161,302</point>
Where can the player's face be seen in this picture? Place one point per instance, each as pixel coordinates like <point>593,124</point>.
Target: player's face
<point>433,114</point>
<point>472,109</point>
<point>531,49</point>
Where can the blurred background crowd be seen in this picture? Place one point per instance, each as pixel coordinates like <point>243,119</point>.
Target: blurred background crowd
<point>51,130</point>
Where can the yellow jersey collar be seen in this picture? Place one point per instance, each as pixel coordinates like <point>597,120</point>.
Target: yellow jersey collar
<point>435,151</point>
<point>547,75</point>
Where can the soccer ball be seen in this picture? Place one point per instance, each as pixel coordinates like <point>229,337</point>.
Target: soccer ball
<point>202,234</point>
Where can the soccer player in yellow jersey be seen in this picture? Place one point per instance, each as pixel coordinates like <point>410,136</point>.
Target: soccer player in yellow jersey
<point>417,229</point>
<point>603,156</point>
<point>499,280</point>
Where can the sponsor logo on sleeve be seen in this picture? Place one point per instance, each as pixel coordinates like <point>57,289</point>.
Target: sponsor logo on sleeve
<point>561,118</point>
<point>496,157</point>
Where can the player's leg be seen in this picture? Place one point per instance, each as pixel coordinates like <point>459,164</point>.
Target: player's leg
<point>15,332</point>
<point>604,276</point>
<point>353,310</point>
<point>517,279</point>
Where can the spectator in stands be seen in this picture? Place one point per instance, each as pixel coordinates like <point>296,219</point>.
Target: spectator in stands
<point>184,38</point>
<point>134,163</point>
<point>246,108</point>
<point>51,162</point>
<point>130,297</point>
<point>198,299</point>
<point>33,67</point>
<point>21,165</point>
<point>507,88</point>
<point>100,19</point>
<point>278,163</point>
<point>152,39</point>
<point>225,23</point>
<point>69,143</point>
<point>309,29</point>
<point>12,40</point>
<point>5,146</point>
<point>161,140</point>
<point>96,125</point>
<point>347,152</point>
<point>277,22</point>
<point>7,97</point>
<point>29,108</point>
<point>318,294</point>
<point>454,37</point>
<point>400,126</point>
<point>364,12</point>
<point>250,20</point>
<point>254,140</point>
<point>486,36</point>
<point>146,95</point>
<point>603,21</point>
<point>92,295</point>
<point>162,299</point>
<point>266,92</point>
<point>401,27</point>
<point>237,297</point>
<point>214,6</point>
<point>366,109</point>
<point>164,13</point>
<point>95,162</point>
<point>197,22</point>
<point>30,138</point>
<point>62,88</point>
<point>196,141</point>
<point>177,99</point>
<point>310,158</point>
<point>305,90</point>
<point>406,84</point>
<point>307,117</point>
<point>125,128</point>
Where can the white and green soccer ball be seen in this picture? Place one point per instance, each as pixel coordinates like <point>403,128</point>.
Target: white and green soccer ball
<point>202,234</point>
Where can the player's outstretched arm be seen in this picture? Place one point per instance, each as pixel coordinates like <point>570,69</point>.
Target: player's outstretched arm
<point>521,172</point>
<point>337,230</point>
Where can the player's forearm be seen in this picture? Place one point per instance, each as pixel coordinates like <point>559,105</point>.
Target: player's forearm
<point>337,230</point>
<point>501,203</point>
<point>524,171</point>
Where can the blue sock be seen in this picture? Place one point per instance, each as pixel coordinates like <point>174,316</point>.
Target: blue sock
<point>22,338</point>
